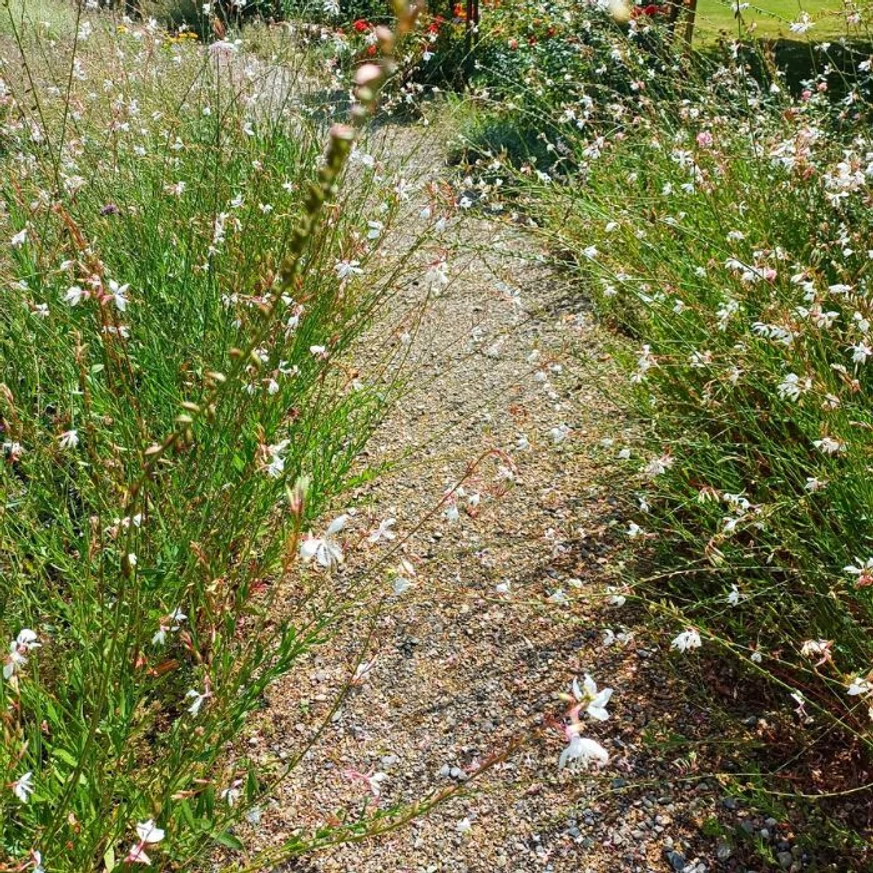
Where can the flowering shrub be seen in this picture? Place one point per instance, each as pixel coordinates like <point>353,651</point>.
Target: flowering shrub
<point>182,277</point>
<point>723,226</point>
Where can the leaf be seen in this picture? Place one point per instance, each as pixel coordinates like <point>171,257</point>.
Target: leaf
<point>65,756</point>
<point>109,860</point>
<point>229,840</point>
<point>188,814</point>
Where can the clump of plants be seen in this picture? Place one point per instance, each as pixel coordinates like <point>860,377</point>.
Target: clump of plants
<point>184,272</point>
<point>725,237</point>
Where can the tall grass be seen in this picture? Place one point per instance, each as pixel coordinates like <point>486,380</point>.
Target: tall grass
<point>183,279</point>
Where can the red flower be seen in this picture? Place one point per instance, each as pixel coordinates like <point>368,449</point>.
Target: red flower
<point>371,50</point>
<point>361,26</point>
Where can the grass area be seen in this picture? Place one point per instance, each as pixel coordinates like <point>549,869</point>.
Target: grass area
<point>772,19</point>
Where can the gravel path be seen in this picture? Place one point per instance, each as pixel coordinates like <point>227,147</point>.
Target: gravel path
<point>507,605</point>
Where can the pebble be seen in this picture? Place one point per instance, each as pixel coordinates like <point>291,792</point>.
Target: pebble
<point>676,860</point>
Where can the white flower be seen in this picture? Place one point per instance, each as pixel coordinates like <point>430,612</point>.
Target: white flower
<point>383,532</point>
<point>522,443</point>
<point>464,826</point>
<point>558,596</point>
<point>22,788</point>
<point>232,794</point>
<point>69,439</point>
<point>863,570</point>
<point>593,701</point>
<point>362,671</point>
<point>829,446</point>
<point>802,25</point>
<point>634,530</point>
<point>436,277</point>
<point>19,239</point>
<point>615,598</point>
<point>221,48</point>
<point>375,229</point>
<point>75,295</point>
<point>171,623</point>
<point>197,698</point>
<point>148,835</point>
<point>861,352</point>
<point>658,466</point>
<point>859,686</point>
<point>118,293</point>
<point>451,513</point>
<point>347,269</point>
<point>324,549</point>
<point>689,639</point>
<point>734,596</point>
<point>817,649</point>
<point>277,462</point>
<point>18,649</point>
<point>792,386</point>
<point>583,752</point>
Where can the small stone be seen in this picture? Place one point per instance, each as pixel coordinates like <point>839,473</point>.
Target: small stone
<point>723,851</point>
<point>676,860</point>
<point>785,859</point>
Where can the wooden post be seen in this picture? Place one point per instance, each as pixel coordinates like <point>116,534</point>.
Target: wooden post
<point>690,15</point>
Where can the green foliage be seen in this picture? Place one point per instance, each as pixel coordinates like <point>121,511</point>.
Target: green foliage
<point>174,413</point>
<point>721,226</point>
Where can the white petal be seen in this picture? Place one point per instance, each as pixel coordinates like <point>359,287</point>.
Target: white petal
<point>337,524</point>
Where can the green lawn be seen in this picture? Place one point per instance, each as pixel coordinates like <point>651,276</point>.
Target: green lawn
<point>773,17</point>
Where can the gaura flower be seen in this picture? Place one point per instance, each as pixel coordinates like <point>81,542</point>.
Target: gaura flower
<point>687,640</point>
<point>383,532</point>
<point>198,698</point>
<point>22,788</point>
<point>325,550</point>
<point>18,649</point>
<point>589,699</point>
<point>69,439</point>
<point>148,835</point>
<point>583,752</point>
